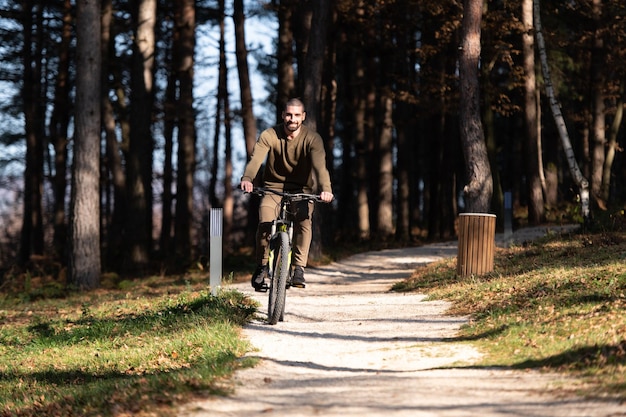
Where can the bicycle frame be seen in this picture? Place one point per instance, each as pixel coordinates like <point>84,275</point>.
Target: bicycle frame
<point>280,250</point>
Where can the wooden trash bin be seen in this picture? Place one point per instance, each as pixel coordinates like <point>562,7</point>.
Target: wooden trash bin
<point>476,244</point>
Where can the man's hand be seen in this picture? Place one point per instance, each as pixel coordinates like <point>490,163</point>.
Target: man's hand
<point>247,186</point>
<point>326,196</point>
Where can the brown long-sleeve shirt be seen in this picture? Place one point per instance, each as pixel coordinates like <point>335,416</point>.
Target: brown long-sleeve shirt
<point>291,164</point>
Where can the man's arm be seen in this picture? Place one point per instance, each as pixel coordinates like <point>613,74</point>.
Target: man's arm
<point>259,153</point>
<point>318,161</point>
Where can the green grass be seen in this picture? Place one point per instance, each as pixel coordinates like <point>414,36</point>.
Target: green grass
<point>137,351</point>
<point>140,347</point>
<point>558,304</point>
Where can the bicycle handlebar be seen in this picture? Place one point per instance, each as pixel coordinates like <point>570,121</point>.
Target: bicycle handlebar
<point>261,191</point>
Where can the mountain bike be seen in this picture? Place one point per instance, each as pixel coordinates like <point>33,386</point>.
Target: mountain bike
<point>280,248</point>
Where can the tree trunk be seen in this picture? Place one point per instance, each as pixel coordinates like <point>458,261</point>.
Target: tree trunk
<point>598,143</point>
<point>403,223</point>
<point>312,90</point>
<point>489,55</point>
<point>228,203</point>
<point>352,210</point>
<point>286,86</point>
<point>219,107</point>
<point>579,179</point>
<point>363,156</point>
<point>84,260</point>
<point>314,65</point>
<point>223,116</point>
<point>361,150</point>
<point>613,146</point>
<point>32,227</point>
<point>533,156</point>
<point>303,18</point>
<point>59,122</point>
<point>115,227</point>
<point>385,178</point>
<point>169,123</point>
<point>479,188</point>
<point>139,161</point>
<point>184,62</point>
<point>245,91</point>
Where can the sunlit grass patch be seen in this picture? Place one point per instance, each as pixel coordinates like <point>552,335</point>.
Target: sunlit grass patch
<point>118,353</point>
<point>555,304</point>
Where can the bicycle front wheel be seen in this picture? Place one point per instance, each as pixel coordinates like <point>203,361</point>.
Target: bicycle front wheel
<point>278,282</point>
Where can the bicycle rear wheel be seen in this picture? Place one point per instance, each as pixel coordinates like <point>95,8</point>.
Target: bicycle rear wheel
<point>278,282</point>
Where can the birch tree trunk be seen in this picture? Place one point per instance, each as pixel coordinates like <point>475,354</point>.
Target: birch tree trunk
<point>579,179</point>
<point>84,260</point>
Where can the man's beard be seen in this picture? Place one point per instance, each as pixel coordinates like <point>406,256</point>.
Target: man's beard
<point>292,127</point>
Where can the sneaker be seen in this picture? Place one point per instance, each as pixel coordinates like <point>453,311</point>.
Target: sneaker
<point>297,280</point>
<point>258,279</point>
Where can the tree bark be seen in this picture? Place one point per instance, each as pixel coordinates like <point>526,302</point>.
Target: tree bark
<point>219,107</point>
<point>84,261</point>
<point>478,190</point>
<point>613,146</point>
<point>598,143</point>
<point>139,161</point>
<point>185,24</point>
<point>228,203</point>
<point>245,90</point>
<point>169,124</point>
<point>533,156</point>
<point>32,226</point>
<point>384,224</point>
<point>579,179</point>
<point>115,227</point>
<point>312,90</point>
<point>286,86</point>
<point>314,65</point>
<point>362,158</point>
<point>59,123</point>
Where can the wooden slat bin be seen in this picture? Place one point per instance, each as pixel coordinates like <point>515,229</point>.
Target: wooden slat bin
<point>476,244</point>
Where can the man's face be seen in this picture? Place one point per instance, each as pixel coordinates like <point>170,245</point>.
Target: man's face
<point>293,116</point>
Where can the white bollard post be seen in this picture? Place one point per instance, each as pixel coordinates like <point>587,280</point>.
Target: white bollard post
<point>215,260</point>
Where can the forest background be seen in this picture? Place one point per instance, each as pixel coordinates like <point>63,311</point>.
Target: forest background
<point>381,84</point>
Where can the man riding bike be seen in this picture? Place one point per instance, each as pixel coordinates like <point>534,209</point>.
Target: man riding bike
<point>295,160</point>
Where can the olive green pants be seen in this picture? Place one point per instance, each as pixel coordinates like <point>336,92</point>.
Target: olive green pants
<point>302,233</point>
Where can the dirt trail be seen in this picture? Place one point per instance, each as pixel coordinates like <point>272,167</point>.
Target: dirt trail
<point>348,347</point>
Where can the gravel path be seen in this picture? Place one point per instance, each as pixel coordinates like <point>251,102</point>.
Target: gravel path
<point>348,347</point>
